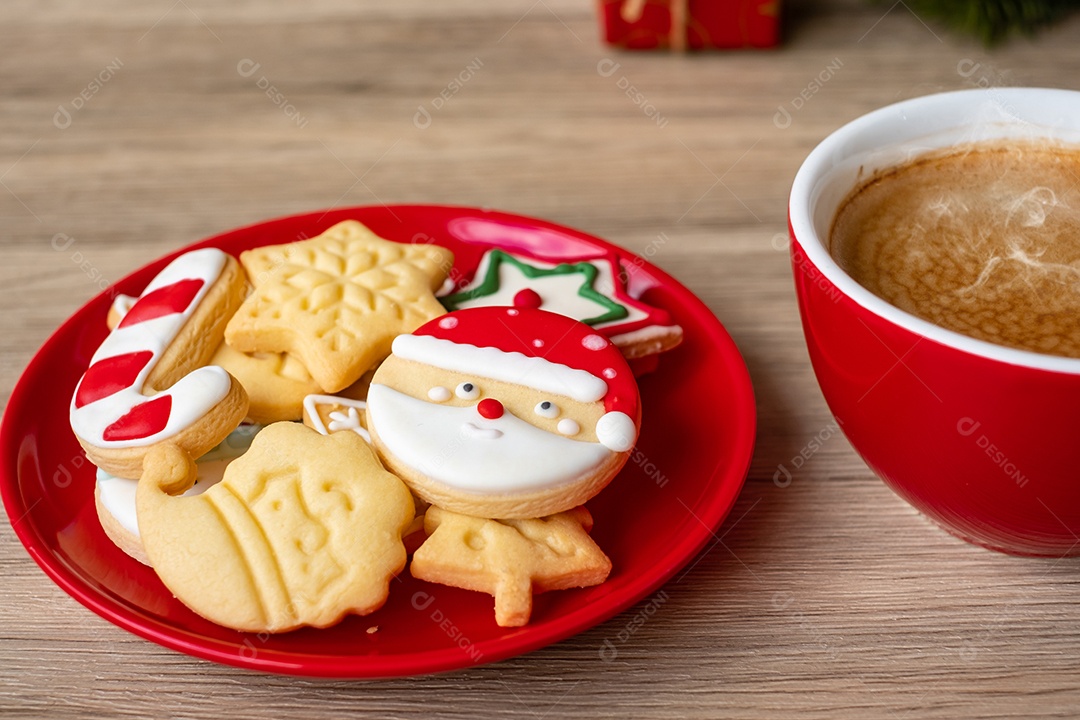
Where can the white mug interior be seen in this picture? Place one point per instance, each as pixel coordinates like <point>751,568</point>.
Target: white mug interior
<point>894,134</point>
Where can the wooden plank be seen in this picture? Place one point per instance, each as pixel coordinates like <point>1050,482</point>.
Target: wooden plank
<point>828,597</point>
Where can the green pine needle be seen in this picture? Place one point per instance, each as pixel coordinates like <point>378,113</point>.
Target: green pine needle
<point>993,21</point>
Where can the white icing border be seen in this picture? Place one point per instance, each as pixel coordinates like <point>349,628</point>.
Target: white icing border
<point>310,401</point>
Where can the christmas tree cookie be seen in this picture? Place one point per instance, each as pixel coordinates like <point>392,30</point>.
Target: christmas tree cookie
<point>594,290</point>
<point>510,559</point>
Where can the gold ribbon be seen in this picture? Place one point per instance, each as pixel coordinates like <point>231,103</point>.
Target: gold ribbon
<point>632,10</point>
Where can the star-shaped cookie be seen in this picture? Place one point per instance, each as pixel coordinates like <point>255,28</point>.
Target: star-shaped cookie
<point>337,301</point>
<point>510,559</point>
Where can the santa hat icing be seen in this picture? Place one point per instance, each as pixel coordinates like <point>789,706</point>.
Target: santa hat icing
<point>538,349</point>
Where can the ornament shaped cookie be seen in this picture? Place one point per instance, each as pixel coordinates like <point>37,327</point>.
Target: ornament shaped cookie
<point>510,559</point>
<point>149,383</point>
<point>114,497</point>
<point>303,529</point>
<point>590,288</point>
<point>504,412</point>
<point>337,301</point>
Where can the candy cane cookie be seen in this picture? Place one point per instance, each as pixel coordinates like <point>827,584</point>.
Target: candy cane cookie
<point>148,382</point>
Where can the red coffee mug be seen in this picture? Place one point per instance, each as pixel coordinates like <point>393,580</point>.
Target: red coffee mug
<point>981,438</point>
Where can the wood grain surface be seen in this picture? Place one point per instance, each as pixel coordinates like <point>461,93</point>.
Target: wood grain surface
<point>827,598</point>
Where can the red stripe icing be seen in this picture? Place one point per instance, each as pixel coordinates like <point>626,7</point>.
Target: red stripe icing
<point>143,420</point>
<point>108,408</point>
<point>110,376</point>
<point>166,300</point>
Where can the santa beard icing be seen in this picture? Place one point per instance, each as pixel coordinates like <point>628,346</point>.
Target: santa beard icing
<point>458,447</point>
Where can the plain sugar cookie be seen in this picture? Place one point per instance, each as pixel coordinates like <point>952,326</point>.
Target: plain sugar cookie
<point>114,497</point>
<point>303,529</point>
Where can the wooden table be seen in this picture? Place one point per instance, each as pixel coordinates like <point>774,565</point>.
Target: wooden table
<point>130,129</point>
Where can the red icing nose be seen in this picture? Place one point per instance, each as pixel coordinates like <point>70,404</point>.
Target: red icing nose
<point>490,408</point>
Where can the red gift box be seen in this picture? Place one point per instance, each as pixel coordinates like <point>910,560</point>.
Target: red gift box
<point>690,24</point>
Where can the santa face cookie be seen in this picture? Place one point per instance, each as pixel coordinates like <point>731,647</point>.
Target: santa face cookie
<point>504,412</point>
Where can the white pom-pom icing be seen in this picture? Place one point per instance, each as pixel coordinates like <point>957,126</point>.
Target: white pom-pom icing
<point>616,431</point>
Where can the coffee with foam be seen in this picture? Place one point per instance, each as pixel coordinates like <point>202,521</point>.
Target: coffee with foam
<point>982,239</point>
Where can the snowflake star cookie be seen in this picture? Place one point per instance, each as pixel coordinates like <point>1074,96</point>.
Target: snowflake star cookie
<point>504,412</point>
<point>510,559</point>
<point>337,301</point>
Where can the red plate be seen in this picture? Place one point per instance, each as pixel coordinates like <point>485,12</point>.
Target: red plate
<point>689,465</point>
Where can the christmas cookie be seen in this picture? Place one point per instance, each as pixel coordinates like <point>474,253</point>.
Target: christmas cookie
<point>510,559</point>
<point>504,412</point>
<point>594,290</point>
<point>276,383</point>
<point>119,308</point>
<point>302,530</point>
<point>114,497</point>
<point>148,382</point>
<point>337,301</point>
<point>327,414</point>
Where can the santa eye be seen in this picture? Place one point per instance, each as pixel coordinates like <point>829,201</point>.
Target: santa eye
<point>439,394</point>
<point>467,391</point>
<point>547,409</point>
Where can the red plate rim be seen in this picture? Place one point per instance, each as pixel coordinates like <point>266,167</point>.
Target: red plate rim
<point>727,477</point>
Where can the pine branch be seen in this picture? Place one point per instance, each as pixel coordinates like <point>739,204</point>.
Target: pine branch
<point>994,21</point>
